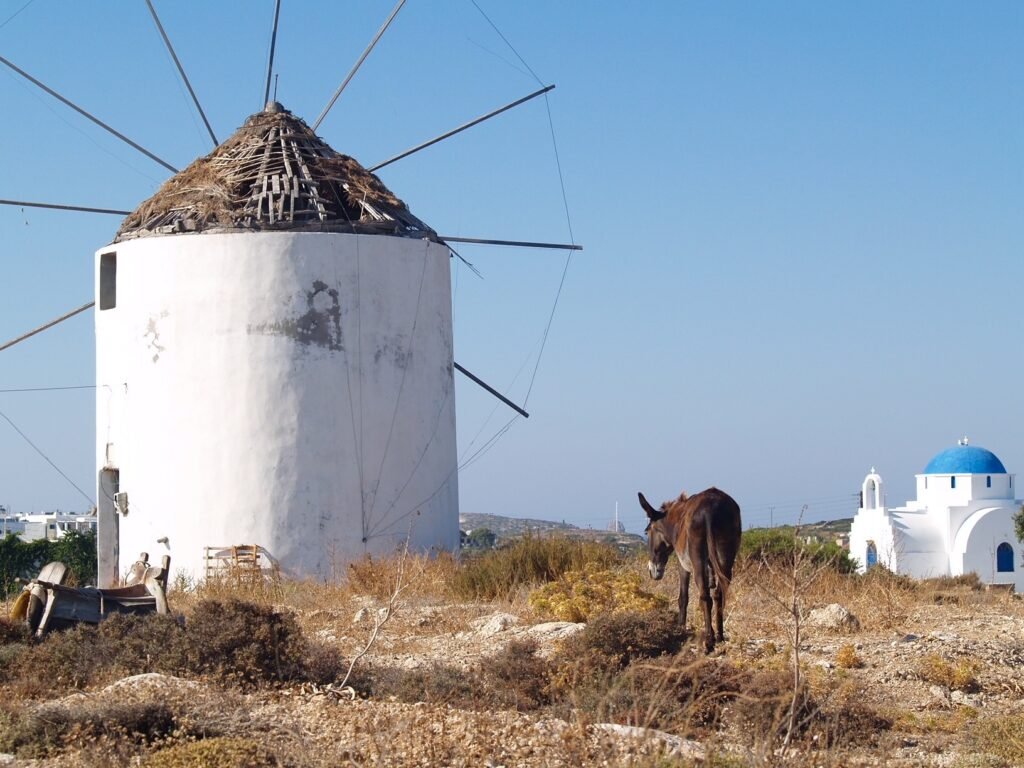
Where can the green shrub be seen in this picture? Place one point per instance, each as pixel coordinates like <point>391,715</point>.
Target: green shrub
<point>527,562</point>
<point>781,545</point>
<point>24,559</point>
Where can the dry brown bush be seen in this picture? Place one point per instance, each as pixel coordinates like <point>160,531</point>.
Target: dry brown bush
<point>234,642</point>
<point>514,678</point>
<point>425,576</point>
<point>610,641</point>
<point>847,658</point>
<point>222,752</point>
<point>1001,736</point>
<point>959,675</point>
<point>28,734</point>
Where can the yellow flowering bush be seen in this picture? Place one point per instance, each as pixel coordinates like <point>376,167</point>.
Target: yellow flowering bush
<point>580,594</point>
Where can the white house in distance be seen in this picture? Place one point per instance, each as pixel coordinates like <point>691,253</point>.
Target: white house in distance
<point>960,522</point>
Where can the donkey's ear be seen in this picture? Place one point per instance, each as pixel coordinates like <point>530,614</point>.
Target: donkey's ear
<point>652,513</point>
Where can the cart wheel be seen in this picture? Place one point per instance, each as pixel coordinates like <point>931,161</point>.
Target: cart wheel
<point>34,612</point>
<point>20,608</point>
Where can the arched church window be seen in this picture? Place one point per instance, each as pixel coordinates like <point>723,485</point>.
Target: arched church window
<point>988,481</point>
<point>871,556</point>
<point>1004,558</point>
<point>952,482</point>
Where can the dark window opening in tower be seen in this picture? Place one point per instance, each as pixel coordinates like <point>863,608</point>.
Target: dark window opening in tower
<point>108,281</point>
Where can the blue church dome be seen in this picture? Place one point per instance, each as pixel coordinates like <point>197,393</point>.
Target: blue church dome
<point>965,459</point>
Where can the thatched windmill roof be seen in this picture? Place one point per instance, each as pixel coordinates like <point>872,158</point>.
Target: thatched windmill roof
<point>274,173</point>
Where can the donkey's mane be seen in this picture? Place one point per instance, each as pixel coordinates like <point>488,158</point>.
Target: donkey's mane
<point>669,504</point>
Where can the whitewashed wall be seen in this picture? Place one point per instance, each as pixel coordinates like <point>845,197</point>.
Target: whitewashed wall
<point>974,548</point>
<point>292,390</point>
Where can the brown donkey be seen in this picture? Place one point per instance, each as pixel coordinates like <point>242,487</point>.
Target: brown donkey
<point>704,532</point>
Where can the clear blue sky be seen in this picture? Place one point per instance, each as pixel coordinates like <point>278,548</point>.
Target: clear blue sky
<point>803,225</point>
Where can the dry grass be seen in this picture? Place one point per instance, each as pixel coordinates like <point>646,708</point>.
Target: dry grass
<point>528,562</point>
<point>262,660</point>
<point>959,675</point>
<point>847,658</point>
<point>1002,737</point>
<point>223,752</point>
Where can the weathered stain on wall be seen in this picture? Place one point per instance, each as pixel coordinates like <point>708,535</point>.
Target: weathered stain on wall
<point>320,325</point>
<point>396,350</point>
<point>153,334</point>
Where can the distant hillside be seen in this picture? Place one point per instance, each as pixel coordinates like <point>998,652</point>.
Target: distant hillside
<point>828,528</point>
<point>506,528</point>
<point>512,527</point>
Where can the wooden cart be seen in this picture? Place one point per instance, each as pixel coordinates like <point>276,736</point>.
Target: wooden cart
<point>46,604</point>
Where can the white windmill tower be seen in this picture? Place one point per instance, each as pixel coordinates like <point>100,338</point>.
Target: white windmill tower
<point>274,358</point>
<point>274,362</point>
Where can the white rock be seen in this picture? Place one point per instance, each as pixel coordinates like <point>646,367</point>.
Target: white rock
<point>833,616</point>
<point>361,615</point>
<point>495,624</point>
<point>940,692</point>
<point>675,745</point>
<point>969,699</point>
<point>555,630</point>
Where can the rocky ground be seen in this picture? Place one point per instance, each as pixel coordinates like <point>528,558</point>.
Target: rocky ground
<point>943,668</point>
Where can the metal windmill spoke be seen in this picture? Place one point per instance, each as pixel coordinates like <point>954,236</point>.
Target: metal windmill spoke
<point>181,70</point>
<point>462,127</point>
<point>85,114</point>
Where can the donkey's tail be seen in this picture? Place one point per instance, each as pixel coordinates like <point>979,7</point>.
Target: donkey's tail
<point>716,564</point>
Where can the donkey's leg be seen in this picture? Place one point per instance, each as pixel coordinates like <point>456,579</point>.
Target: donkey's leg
<point>700,579</point>
<point>719,596</point>
<point>684,595</point>
<point>720,592</point>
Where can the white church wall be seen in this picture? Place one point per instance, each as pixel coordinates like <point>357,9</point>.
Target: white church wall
<point>249,382</point>
<point>873,525</point>
<point>961,521</point>
<point>976,546</point>
<point>947,490</point>
<point>991,486</point>
<point>922,552</point>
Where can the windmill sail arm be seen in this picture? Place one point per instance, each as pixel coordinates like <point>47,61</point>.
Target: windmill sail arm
<point>46,326</point>
<point>460,129</point>
<point>480,382</point>
<point>517,243</point>
<point>58,207</point>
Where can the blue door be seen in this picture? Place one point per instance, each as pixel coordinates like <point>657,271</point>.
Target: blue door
<point>872,555</point>
<point>1004,558</point>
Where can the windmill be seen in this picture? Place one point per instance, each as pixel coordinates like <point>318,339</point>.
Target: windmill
<point>274,353</point>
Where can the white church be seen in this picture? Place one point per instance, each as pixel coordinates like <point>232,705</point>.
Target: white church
<point>960,522</point>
